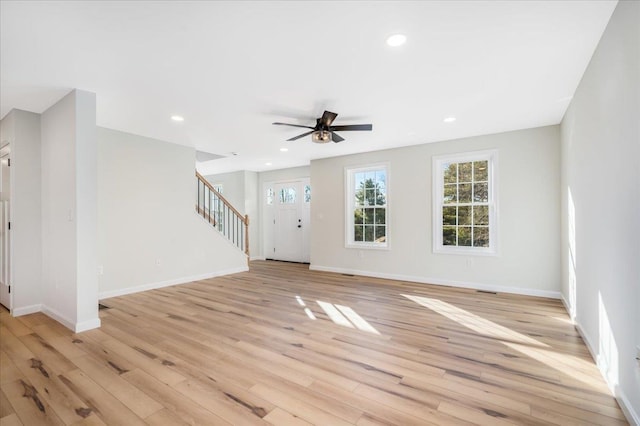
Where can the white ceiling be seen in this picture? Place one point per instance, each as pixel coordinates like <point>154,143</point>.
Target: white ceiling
<point>232,68</point>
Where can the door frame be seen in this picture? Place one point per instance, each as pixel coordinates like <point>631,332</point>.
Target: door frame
<point>5,155</point>
<point>268,217</point>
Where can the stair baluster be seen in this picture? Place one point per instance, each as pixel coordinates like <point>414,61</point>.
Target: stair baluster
<point>216,210</point>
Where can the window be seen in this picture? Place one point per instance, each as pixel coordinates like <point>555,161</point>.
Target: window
<point>288,196</point>
<point>367,207</point>
<point>307,193</point>
<point>464,203</point>
<point>269,196</point>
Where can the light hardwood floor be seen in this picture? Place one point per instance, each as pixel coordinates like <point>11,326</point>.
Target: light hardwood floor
<point>284,345</point>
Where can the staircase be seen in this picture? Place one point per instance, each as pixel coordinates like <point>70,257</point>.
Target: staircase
<point>216,210</point>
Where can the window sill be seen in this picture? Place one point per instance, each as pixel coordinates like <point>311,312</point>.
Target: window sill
<point>465,251</point>
<point>367,246</point>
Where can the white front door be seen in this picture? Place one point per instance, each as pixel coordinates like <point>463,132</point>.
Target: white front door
<point>5,241</point>
<point>291,221</point>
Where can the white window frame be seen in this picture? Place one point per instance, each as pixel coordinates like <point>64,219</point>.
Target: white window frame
<point>491,156</point>
<point>349,173</point>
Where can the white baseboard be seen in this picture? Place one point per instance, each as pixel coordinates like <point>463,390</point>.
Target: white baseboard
<point>567,307</point>
<point>632,416</point>
<point>151,286</point>
<point>26,310</point>
<point>257,258</point>
<point>87,325</point>
<point>627,409</point>
<point>50,312</point>
<point>565,304</point>
<point>436,281</point>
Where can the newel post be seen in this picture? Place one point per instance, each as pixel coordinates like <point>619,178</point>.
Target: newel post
<point>246,235</point>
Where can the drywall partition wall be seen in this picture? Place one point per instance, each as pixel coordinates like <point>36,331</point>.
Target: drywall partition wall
<point>149,234</point>
<point>68,211</point>
<point>86,210</point>
<point>59,263</point>
<point>601,205</point>
<point>528,220</point>
<point>22,130</point>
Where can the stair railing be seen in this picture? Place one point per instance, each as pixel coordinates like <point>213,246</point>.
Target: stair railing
<point>215,209</point>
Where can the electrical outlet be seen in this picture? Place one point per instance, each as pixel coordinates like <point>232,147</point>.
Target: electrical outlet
<point>100,270</point>
<point>158,263</point>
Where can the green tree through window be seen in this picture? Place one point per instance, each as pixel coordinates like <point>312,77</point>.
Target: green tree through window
<point>370,206</point>
<point>464,203</point>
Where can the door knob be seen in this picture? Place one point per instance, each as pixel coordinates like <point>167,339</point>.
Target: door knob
<point>299,226</point>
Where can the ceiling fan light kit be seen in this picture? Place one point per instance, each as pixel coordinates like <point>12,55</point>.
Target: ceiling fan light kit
<point>324,131</point>
<point>321,136</point>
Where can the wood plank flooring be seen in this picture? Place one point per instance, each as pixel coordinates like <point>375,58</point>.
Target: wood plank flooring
<point>284,345</point>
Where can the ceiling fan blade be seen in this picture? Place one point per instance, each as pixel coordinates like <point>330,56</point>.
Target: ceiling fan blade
<point>300,136</point>
<point>328,117</point>
<point>336,137</point>
<point>292,125</point>
<point>352,127</point>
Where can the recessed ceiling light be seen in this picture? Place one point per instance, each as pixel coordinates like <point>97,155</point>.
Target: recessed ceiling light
<point>449,119</point>
<point>177,118</point>
<point>284,149</point>
<point>396,40</point>
<point>267,164</point>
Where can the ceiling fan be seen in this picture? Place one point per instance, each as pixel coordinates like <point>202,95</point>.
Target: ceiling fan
<point>323,131</point>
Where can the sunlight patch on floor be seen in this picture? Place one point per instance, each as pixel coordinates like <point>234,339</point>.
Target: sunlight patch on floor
<point>346,317</point>
<point>306,310</point>
<point>570,365</point>
<point>474,322</point>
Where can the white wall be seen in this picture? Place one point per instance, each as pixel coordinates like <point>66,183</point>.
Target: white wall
<point>22,130</point>
<point>601,173</point>
<point>69,281</point>
<point>146,216</point>
<point>282,175</point>
<point>59,269</point>
<point>233,187</point>
<point>529,193</point>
